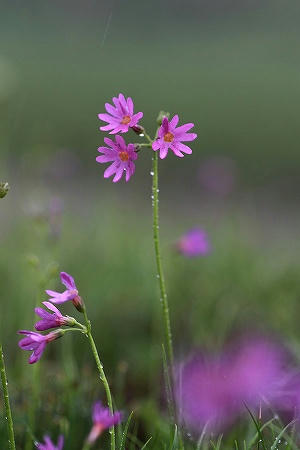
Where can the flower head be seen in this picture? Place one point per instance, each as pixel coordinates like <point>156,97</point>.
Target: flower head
<point>102,419</point>
<point>37,342</point>
<point>194,243</point>
<point>71,293</point>
<point>170,137</point>
<point>120,117</point>
<point>121,156</point>
<point>48,444</point>
<point>49,320</point>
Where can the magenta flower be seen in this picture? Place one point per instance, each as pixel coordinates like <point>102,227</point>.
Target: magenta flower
<point>194,243</point>
<point>37,342</point>
<point>121,155</point>
<point>102,419</point>
<point>170,137</point>
<point>48,444</point>
<point>212,391</point>
<point>120,117</point>
<point>71,293</point>
<point>49,320</point>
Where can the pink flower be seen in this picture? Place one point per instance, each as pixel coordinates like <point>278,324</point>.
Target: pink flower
<point>194,243</point>
<point>51,320</point>
<point>121,155</point>
<point>48,444</point>
<point>170,137</point>
<point>71,293</point>
<point>102,419</point>
<point>120,117</point>
<point>37,342</point>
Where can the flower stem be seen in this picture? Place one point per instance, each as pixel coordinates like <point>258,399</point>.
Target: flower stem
<point>160,274</point>
<point>8,416</point>
<point>102,376</point>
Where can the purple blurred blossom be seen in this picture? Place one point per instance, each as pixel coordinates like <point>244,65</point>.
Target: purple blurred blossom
<point>213,391</point>
<point>49,320</point>
<point>194,243</point>
<point>170,137</point>
<point>120,117</point>
<point>102,419</point>
<point>218,175</point>
<point>71,293</point>
<point>48,444</point>
<point>121,156</point>
<point>37,342</point>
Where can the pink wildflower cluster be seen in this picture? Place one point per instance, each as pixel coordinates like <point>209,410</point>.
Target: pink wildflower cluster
<point>120,118</point>
<point>36,342</point>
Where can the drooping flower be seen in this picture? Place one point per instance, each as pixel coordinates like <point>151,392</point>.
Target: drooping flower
<point>102,419</point>
<point>212,391</point>
<point>121,156</point>
<point>37,342</point>
<point>49,320</point>
<point>71,293</point>
<point>194,243</point>
<point>120,117</point>
<point>48,444</point>
<point>170,137</point>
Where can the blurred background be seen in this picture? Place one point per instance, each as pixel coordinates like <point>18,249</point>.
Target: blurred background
<point>229,66</point>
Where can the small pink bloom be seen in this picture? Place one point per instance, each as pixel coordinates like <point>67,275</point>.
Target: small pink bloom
<point>49,320</point>
<point>170,137</point>
<point>194,243</point>
<point>121,156</point>
<point>37,342</point>
<point>48,444</point>
<point>71,293</point>
<point>120,117</point>
<point>102,419</point>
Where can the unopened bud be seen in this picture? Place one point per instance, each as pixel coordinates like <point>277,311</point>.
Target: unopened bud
<point>138,129</point>
<point>78,303</point>
<point>4,188</point>
<point>161,115</point>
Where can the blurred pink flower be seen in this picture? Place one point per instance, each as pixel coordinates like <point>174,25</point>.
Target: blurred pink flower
<point>120,117</point>
<point>212,391</point>
<point>194,243</point>
<point>170,137</point>
<point>102,419</point>
<point>121,156</point>
<point>218,175</point>
<point>48,444</point>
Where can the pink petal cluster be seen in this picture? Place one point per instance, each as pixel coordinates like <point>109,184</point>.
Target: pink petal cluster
<point>102,419</point>
<point>71,293</point>
<point>49,320</point>
<point>170,137</point>
<point>194,243</point>
<point>36,343</point>
<point>120,117</point>
<point>121,156</point>
<point>48,444</point>
<point>212,391</point>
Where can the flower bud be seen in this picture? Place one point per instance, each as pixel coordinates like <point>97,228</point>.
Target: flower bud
<point>161,115</point>
<point>4,188</point>
<point>78,303</point>
<point>138,130</point>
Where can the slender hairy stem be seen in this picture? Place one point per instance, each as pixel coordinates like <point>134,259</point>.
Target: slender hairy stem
<point>102,376</point>
<point>8,416</point>
<point>160,274</point>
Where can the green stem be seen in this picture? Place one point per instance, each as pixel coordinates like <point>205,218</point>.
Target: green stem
<point>102,376</point>
<point>160,274</point>
<point>8,416</point>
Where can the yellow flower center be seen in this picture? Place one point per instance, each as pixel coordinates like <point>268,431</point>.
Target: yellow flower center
<point>126,120</point>
<point>168,137</point>
<point>123,156</point>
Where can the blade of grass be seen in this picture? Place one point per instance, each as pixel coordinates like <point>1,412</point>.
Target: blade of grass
<point>146,443</point>
<point>261,438</point>
<point>125,432</point>
<point>280,435</point>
